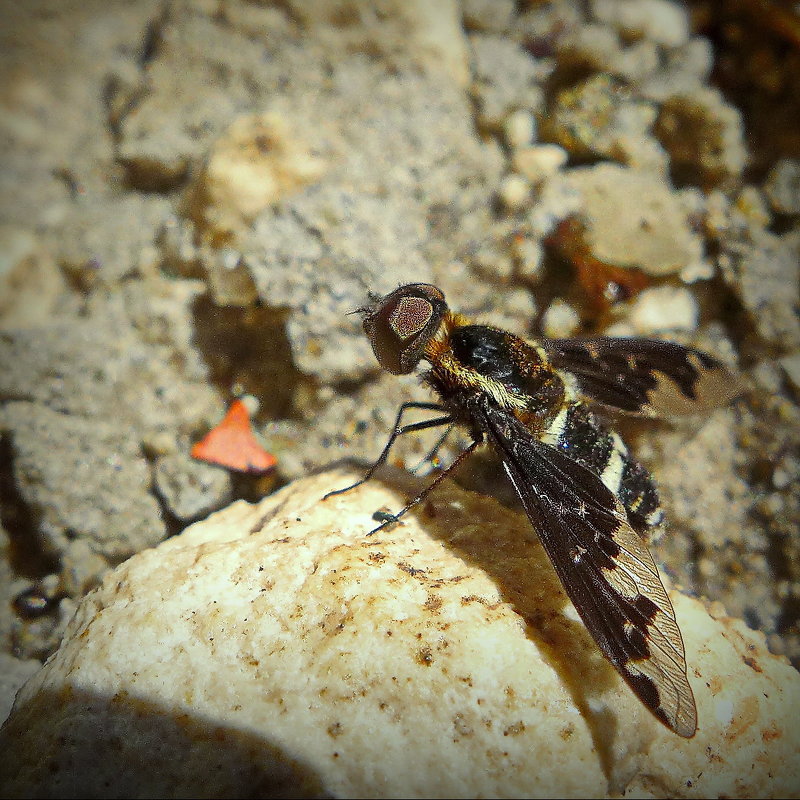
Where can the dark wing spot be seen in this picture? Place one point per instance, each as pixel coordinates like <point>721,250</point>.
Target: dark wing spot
<point>647,692</point>
<point>646,607</point>
<point>608,546</point>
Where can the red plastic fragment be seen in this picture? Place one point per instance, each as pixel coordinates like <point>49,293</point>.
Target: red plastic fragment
<point>233,445</point>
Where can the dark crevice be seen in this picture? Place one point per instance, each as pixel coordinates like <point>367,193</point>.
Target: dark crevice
<point>253,488</point>
<point>172,525</point>
<point>120,100</point>
<point>152,39</point>
<point>752,618</point>
<point>21,522</point>
<point>782,224</point>
<point>756,62</point>
<point>789,616</point>
<point>351,386</point>
<point>686,175</point>
<point>739,325</point>
<point>248,352</point>
<point>587,159</point>
<point>691,569</point>
<point>564,78</point>
<point>779,564</point>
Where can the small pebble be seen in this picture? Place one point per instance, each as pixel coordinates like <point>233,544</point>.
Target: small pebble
<point>514,192</point>
<point>519,129</point>
<point>664,308</point>
<point>529,255</point>
<point>700,270</point>
<point>540,162</point>
<point>791,366</point>
<point>783,186</point>
<point>560,320</point>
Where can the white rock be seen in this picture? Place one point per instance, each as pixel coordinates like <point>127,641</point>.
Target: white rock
<point>529,257</point>
<point>31,284</point>
<point>519,128</point>
<point>277,650</point>
<point>560,320</point>
<point>488,15</point>
<point>783,186</point>
<point>257,161</point>
<point>634,219</point>
<point>432,33</point>
<point>556,199</point>
<point>661,21</point>
<point>540,162</point>
<point>515,192</point>
<point>791,366</point>
<point>664,308</point>
<point>700,270</point>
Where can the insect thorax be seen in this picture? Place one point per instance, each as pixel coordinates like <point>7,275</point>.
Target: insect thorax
<point>514,374</point>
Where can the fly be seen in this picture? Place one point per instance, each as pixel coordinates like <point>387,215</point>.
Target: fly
<point>589,500</point>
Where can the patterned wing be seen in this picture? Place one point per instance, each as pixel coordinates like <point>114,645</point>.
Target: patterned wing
<point>603,565</point>
<point>644,376</point>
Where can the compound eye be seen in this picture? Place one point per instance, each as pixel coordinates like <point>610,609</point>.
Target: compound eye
<point>402,323</point>
<point>410,316</point>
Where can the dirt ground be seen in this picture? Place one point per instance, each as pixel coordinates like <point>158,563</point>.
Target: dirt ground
<point>193,196</point>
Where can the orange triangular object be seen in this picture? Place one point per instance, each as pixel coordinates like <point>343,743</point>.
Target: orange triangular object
<point>233,445</point>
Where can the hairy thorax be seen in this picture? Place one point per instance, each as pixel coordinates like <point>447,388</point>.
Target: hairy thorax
<point>515,374</point>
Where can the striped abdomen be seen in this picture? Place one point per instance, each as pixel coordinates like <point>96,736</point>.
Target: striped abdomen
<point>577,432</point>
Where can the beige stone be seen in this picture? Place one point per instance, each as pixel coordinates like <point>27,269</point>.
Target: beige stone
<point>664,22</point>
<point>634,219</point>
<point>540,162</point>
<point>519,128</point>
<point>276,649</point>
<point>664,308</point>
<point>30,281</point>
<point>514,192</point>
<point>256,162</point>
<point>560,319</point>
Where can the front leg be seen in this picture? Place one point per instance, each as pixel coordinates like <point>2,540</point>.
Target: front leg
<point>390,519</point>
<point>399,430</point>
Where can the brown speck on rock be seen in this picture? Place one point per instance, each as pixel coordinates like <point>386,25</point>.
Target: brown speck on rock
<point>566,733</point>
<point>433,603</point>
<point>771,733</point>
<point>752,663</point>
<point>335,729</point>
<point>463,728</point>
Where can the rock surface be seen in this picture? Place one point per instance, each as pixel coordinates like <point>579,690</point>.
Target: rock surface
<point>275,649</point>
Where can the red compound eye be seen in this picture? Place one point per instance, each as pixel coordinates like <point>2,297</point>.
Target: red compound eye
<point>410,316</point>
<point>402,323</point>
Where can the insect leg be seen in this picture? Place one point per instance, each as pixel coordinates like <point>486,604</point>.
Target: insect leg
<point>388,519</point>
<point>398,430</point>
<point>433,452</point>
